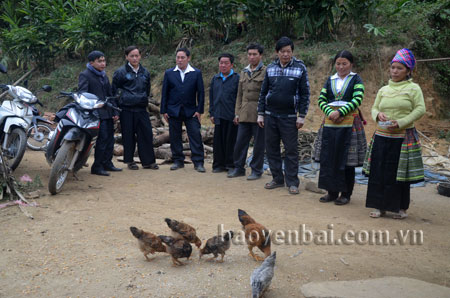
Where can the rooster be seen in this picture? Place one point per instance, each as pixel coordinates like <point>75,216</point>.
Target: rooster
<point>255,235</point>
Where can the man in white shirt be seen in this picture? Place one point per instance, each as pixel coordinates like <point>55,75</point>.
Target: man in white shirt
<point>182,101</point>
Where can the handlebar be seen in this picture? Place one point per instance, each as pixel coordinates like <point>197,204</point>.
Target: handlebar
<point>4,87</point>
<point>113,107</point>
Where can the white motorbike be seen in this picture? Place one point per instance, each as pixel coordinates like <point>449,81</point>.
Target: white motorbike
<point>16,118</point>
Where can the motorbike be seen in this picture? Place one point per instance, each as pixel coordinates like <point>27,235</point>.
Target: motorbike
<point>74,137</point>
<point>39,128</point>
<point>16,118</point>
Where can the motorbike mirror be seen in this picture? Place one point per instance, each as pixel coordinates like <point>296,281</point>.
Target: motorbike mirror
<point>3,68</point>
<point>47,88</point>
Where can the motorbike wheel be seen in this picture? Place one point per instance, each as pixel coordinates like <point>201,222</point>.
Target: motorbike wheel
<point>16,145</point>
<point>38,140</point>
<point>60,166</point>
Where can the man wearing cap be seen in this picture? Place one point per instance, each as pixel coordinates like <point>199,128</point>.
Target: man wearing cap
<point>94,80</point>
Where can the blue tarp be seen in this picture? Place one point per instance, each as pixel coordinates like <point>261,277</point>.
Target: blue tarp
<point>310,170</point>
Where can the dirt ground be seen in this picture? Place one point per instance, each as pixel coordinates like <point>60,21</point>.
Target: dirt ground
<point>79,243</point>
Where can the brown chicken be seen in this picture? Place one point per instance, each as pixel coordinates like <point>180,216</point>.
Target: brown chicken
<point>181,230</point>
<point>255,235</point>
<point>148,242</point>
<point>177,248</point>
<point>217,245</point>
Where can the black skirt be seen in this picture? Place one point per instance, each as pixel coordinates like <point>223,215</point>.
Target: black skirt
<point>384,192</point>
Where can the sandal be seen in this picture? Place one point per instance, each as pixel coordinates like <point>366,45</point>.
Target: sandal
<point>133,166</point>
<point>377,213</point>
<point>293,190</point>
<point>272,184</point>
<point>400,215</point>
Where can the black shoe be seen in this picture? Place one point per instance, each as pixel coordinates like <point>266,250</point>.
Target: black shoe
<point>253,176</point>
<point>113,169</point>
<point>133,166</point>
<point>327,198</point>
<point>218,170</point>
<point>100,173</point>
<point>176,166</point>
<point>200,168</point>
<point>342,201</point>
<point>235,173</point>
<point>152,166</point>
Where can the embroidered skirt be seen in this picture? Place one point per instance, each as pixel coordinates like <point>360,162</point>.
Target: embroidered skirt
<point>341,146</point>
<point>393,162</point>
<point>357,148</point>
<point>410,164</point>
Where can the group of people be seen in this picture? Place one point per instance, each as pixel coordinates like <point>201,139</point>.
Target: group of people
<point>269,104</point>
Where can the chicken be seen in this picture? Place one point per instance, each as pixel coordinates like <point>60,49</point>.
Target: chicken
<point>148,242</point>
<point>255,235</point>
<point>217,245</point>
<point>177,248</point>
<point>262,276</point>
<point>183,230</point>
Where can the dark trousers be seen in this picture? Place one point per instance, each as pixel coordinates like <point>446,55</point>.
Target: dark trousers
<point>104,146</point>
<point>223,147</point>
<point>350,183</point>
<point>286,130</point>
<point>247,130</point>
<point>136,127</point>
<point>195,139</point>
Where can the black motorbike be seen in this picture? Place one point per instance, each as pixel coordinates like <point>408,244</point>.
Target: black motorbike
<point>73,139</point>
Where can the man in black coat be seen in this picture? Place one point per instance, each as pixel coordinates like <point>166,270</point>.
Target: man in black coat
<point>222,101</point>
<point>133,81</point>
<point>182,100</point>
<point>95,81</point>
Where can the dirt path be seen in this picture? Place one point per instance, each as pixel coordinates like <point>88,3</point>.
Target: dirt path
<point>79,243</point>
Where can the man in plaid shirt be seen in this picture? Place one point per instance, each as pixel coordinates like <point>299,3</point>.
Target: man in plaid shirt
<point>282,107</point>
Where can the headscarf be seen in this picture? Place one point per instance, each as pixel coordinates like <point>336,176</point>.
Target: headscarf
<point>405,57</point>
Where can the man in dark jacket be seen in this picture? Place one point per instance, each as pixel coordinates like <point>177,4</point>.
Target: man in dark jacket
<point>222,101</point>
<point>282,107</point>
<point>182,100</point>
<point>133,80</point>
<point>95,81</point>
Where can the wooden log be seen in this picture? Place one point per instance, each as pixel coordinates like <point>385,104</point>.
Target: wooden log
<point>207,148</point>
<point>165,154</point>
<point>161,139</point>
<point>153,108</point>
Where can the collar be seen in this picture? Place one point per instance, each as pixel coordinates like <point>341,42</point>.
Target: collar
<point>287,65</point>
<point>189,68</point>
<point>249,69</point>
<point>225,77</point>
<point>134,69</point>
<point>335,76</point>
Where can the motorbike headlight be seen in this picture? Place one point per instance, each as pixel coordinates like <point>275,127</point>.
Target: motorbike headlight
<point>22,94</point>
<point>99,105</point>
<point>86,100</point>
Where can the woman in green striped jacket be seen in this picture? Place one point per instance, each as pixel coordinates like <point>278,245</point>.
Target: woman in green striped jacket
<point>341,143</point>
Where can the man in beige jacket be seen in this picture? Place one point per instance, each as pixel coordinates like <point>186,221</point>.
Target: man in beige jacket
<point>246,115</point>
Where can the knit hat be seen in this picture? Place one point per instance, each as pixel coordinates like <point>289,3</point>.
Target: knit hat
<point>405,57</point>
